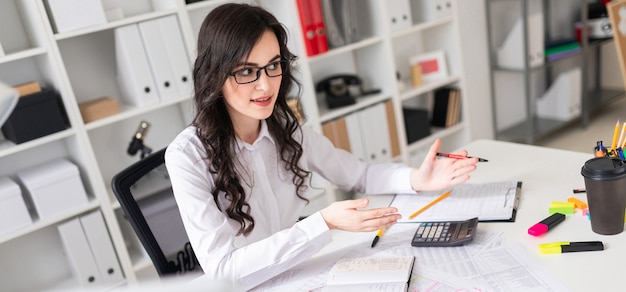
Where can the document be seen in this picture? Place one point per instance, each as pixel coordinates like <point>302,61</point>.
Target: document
<point>371,274</point>
<point>492,201</point>
<point>489,263</point>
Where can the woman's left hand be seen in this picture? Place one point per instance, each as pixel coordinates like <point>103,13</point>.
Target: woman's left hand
<point>437,174</point>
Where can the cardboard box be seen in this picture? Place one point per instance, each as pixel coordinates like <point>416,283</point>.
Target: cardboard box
<point>13,212</point>
<point>28,88</point>
<point>34,116</point>
<point>98,108</point>
<point>54,187</point>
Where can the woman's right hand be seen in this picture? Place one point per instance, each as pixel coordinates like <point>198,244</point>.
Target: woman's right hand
<point>349,216</point>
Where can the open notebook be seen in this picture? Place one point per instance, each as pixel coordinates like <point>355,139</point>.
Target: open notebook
<point>492,201</point>
<point>389,274</point>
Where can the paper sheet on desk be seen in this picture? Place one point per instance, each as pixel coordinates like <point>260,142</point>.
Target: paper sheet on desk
<point>493,201</point>
<point>487,264</point>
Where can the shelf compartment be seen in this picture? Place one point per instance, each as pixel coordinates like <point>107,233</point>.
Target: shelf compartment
<point>110,142</point>
<point>39,254</point>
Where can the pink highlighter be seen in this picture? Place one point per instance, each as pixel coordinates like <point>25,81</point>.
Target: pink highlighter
<point>546,224</point>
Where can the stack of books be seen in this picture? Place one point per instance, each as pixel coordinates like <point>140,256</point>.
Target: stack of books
<point>446,107</point>
<point>561,49</point>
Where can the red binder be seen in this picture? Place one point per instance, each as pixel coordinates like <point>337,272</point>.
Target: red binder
<point>308,27</point>
<point>320,28</point>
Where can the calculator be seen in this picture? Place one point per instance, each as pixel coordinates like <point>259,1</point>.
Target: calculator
<point>445,233</point>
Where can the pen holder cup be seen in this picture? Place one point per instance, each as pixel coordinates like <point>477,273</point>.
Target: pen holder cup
<point>605,182</point>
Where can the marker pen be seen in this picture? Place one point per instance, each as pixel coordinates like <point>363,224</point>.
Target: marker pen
<point>564,247</point>
<point>546,224</point>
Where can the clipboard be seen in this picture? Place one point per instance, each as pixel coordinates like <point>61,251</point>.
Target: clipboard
<point>490,202</point>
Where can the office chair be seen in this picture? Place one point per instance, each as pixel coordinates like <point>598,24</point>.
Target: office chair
<point>145,195</point>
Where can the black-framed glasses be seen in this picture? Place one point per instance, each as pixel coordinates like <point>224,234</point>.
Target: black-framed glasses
<point>251,74</point>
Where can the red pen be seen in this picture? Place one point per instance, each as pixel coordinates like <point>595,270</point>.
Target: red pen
<point>457,156</point>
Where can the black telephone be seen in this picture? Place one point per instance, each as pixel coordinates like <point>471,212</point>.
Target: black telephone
<point>340,89</point>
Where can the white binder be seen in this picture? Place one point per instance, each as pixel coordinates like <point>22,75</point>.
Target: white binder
<point>69,15</point>
<point>178,58</point>
<point>134,76</point>
<point>154,44</point>
<point>433,9</point>
<point>78,254</point>
<point>446,8</point>
<point>375,133</point>
<point>102,248</point>
<point>399,15</point>
<point>357,146</point>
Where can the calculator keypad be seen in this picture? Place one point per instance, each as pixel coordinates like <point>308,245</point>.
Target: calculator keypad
<point>433,231</point>
<point>450,233</point>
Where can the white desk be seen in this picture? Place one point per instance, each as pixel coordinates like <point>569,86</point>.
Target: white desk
<point>547,175</point>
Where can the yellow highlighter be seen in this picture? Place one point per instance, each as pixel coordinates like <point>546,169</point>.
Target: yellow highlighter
<point>566,246</point>
<point>379,234</point>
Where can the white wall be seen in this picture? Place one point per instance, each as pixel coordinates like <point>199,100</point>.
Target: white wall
<point>475,56</point>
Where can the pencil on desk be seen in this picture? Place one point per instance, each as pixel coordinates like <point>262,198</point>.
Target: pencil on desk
<point>435,201</point>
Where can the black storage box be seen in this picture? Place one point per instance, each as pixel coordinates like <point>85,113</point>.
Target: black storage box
<point>34,116</point>
<point>416,124</point>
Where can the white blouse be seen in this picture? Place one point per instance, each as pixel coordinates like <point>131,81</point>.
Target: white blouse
<point>278,241</point>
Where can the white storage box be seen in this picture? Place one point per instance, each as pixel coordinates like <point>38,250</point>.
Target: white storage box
<point>55,187</point>
<point>68,15</point>
<point>13,212</point>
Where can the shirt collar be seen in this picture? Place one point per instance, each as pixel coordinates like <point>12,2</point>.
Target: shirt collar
<point>263,133</point>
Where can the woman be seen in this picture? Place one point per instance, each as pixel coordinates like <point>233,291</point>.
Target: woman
<point>241,170</point>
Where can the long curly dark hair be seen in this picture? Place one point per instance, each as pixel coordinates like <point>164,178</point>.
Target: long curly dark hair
<point>228,34</point>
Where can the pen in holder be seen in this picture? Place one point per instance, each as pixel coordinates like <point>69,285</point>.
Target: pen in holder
<point>601,151</point>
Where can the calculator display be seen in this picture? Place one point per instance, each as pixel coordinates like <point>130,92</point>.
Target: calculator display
<point>445,233</point>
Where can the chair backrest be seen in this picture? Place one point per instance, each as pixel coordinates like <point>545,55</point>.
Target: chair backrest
<point>145,195</point>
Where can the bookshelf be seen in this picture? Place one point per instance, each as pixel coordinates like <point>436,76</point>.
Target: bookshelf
<point>81,66</point>
<point>526,96</point>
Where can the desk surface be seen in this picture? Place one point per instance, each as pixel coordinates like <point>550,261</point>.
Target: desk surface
<point>549,175</point>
